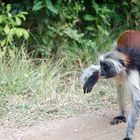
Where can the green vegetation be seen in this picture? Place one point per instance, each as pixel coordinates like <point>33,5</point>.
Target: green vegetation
<point>45,44</point>
<point>53,26</point>
<point>33,92</point>
<point>10,29</point>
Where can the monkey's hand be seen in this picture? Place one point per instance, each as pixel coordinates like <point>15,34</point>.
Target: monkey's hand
<point>90,77</point>
<point>118,120</point>
<point>127,139</point>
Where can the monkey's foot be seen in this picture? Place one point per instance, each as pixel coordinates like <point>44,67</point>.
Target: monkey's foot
<point>118,120</point>
<point>127,139</point>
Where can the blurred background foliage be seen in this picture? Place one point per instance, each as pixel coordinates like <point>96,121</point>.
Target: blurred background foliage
<point>55,28</point>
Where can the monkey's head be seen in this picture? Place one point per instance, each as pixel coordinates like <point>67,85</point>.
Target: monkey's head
<point>111,64</point>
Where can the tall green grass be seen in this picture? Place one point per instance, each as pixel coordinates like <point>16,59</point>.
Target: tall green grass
<point>34,90</point>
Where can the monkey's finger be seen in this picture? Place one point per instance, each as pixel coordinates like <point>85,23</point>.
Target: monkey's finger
<point>88,89</point>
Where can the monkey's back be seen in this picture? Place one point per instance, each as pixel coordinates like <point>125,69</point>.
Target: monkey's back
<point>129,45</point>
<point>129,38</point>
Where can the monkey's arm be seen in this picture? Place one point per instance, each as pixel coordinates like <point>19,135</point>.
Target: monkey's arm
<point>120,81</point>
<point>89,77</point>
<point>134,88</point>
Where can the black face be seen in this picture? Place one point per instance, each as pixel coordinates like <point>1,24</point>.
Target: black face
<point>107,69</point>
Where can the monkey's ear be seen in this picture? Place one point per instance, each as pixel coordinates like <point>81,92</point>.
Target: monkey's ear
<point>91,81</point>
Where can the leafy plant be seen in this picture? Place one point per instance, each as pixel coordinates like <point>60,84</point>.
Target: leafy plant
<point>10,29</point>
<point>98,19</point>
<point>48,5</point>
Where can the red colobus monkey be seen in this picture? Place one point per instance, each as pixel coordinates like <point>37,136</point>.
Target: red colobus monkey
<point>123,63</point>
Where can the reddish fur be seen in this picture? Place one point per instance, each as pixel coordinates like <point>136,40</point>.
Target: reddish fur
<point>129,39</point>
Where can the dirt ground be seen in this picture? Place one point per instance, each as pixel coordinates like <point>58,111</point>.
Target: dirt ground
<point>84,127</point>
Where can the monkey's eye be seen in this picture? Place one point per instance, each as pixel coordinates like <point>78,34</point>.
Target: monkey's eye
<point>106,67</point>
<point>122,62</point>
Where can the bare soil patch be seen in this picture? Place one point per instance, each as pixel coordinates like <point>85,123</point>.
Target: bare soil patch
<point>91,126</point>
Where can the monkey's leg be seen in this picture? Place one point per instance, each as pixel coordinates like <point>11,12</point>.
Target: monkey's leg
<point>134,89</point>
<point>121,100</point>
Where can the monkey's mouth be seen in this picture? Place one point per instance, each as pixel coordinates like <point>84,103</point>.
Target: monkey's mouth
<point>109,74</point>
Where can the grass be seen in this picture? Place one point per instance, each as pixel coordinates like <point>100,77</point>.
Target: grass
<point>36,90</point>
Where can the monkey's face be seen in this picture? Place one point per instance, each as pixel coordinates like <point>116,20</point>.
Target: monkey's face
<point>108,69</point>
<point>111,65</point>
